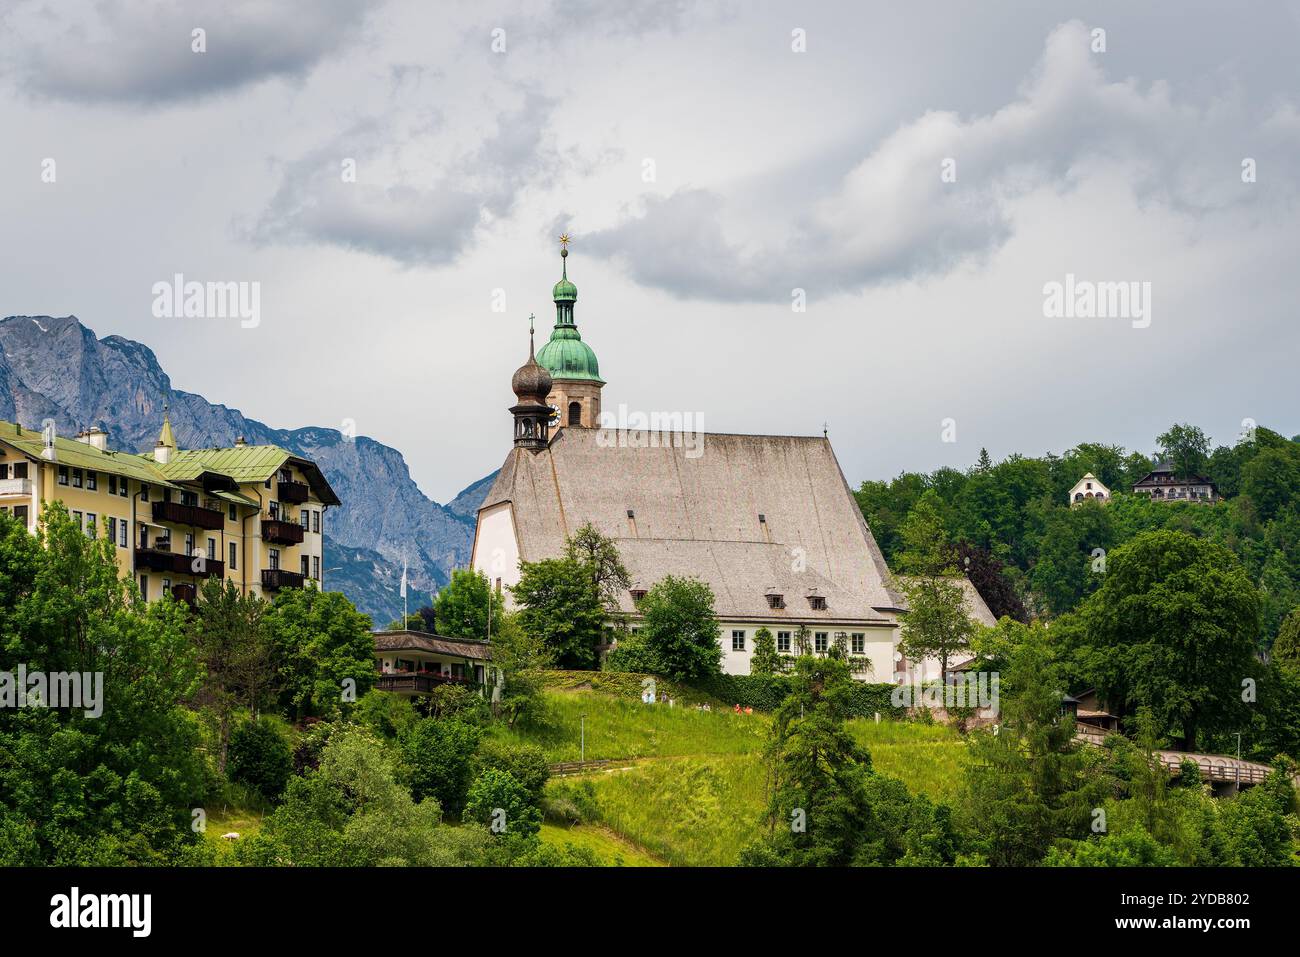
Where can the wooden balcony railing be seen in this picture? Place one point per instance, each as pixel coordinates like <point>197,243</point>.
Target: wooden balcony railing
<point>281,532</point>
<point>274,578</point>
<point>294,492</point>
<point>192,515</point>
<point>417,682</point>
<point>176,563</point>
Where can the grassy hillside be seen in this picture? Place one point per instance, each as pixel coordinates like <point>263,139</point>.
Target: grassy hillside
<point>695,794</point>
<point>623,728</point>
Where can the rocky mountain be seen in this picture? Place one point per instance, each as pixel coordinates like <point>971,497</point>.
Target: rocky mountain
<point>57,368</point>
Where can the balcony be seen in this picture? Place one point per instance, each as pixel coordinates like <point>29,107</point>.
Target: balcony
<point>292,492</point>
<point>416,682</point>
<point>165,560</point>
<point>191,515</point>
<point>16,486</point>
<point>281,532</point>
<point>275,578</point>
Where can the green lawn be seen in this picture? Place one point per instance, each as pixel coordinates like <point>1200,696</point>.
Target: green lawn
<point>622,728</point>
<point>244,822</point>
<point>613,849</point>
<point>689,811</point>
<point>928,758</point>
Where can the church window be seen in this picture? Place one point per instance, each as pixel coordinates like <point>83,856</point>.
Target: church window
<point>737,640</point>
<point>575,413</point>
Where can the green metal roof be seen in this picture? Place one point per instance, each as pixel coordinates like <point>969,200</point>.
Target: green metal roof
<point>248,463</point>
<point>79,455</point>
<point>238,498</point>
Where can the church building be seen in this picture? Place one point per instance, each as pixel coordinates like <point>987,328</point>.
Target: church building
<point>767,521</point>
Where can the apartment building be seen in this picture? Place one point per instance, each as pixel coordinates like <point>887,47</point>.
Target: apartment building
<point>252,514</point>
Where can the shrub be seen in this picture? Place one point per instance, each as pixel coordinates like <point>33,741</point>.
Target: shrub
<point>260,758</point>
<point>505,805</point>
<point>525,762</point>
<point>571,802</point>
<point>438,759</point>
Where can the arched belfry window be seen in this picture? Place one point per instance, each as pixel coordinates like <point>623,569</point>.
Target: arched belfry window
<point>575,413</point>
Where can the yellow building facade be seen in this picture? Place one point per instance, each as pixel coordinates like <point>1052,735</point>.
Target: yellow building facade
<point>252,514</point>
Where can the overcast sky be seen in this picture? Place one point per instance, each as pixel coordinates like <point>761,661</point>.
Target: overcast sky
<point>708,160</point>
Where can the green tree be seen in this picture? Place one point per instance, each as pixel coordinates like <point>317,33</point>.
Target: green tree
<point>826,806</point>
<point>498,800</point>
<point>239,659</point>
<point>1026,783</point>
<point>926,548</point>
<point>1173,627</point>
<point>461,607</point>
<point>325,649</point>
<point>1129,849</point>
<point>113,786</point>
<point>679,633</point>
<point>526,762</point>
<point>260,758</point>
<point>765,660</point>
<point>599,556</point>
<point>1186,448</point>
<point>518,656</point>
<point>1272,480</point>
<point>935,624</point>
<point>1286,649</point>
<point>1069,566</point>
<point>559,604</point>
<point>438,758</point>
<point>351,811</point>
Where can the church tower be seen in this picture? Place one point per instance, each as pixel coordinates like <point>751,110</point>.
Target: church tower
<point>531,385</point>
<point>576,383</point>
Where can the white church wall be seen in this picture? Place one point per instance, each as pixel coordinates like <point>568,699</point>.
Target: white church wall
<point>879,645</point>
<point>496,550</point>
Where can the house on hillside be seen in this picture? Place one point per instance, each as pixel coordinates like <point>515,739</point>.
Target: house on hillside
<point>414,663</point>
<point>1089,488</point>
<point>1162,484</point>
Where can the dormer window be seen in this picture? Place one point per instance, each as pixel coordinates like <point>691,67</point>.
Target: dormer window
<point>762,519</point>
<point>637,594</point>
<point>817,602</point>
<point>775,601</point>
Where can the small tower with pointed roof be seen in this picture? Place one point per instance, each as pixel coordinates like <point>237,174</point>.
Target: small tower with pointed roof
<point>531,384</point>
<point>166,444</point>
<point>575,373</point>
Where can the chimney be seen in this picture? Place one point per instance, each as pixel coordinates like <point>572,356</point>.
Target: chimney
<point>162,454</point>
<point>95,437</point>
<point>49,453</point>
<point>240,442</point>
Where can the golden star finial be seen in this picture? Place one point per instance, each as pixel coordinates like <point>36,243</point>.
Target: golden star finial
<point>564,240</point>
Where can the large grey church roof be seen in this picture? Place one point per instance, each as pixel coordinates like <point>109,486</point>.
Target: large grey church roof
<point>699,516</point>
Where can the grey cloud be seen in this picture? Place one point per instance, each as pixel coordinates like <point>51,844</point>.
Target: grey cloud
<point>140,53</point>
<point>427,220</point>
<point>891,217</point>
